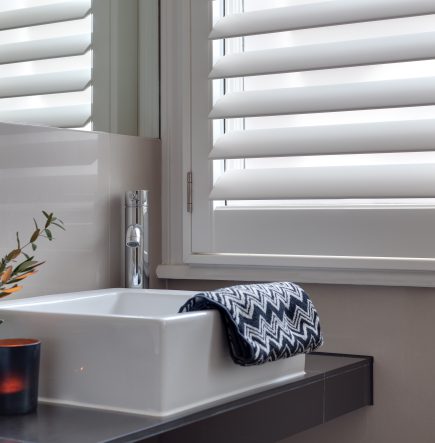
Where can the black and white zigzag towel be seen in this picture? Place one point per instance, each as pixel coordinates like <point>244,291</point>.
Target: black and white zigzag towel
<point>264,322</point>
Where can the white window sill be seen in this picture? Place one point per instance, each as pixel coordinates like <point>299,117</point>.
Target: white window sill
<point>376,277</point>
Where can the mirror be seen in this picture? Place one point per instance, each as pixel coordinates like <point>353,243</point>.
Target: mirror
<point>89,65</point>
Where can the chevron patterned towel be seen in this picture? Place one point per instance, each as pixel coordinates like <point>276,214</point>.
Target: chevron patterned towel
<point>264,322</point>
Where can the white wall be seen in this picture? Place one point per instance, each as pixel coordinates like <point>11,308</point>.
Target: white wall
<point>81,177</point>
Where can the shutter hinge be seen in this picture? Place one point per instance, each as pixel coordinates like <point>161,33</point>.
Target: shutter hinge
<point>189,192</point>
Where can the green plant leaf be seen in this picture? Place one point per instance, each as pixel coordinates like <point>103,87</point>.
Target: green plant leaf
<point>35,235</point>
<point>18,241</point>
<point>25,266</point>
<point>58,225</point>
<point>14,280</point>
<point>34,246</point>
<point>13,254</point>
<point>49,234</point>
<point>32,268</point>
<point>49,220</point>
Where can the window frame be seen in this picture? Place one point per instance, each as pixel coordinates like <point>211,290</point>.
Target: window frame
<point>179,259</point>
<point>115,74</point>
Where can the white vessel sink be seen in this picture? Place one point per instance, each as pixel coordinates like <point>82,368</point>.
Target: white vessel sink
<point>129,350</point>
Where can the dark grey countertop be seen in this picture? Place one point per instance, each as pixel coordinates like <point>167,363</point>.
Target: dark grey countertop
<point>334,384</point>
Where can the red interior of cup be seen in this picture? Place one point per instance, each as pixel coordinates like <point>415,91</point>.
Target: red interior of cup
<point>13,342</point>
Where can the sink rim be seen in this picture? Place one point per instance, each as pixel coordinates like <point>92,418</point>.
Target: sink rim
<point>25,305</point>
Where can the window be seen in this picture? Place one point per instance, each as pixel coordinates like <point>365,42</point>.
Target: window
<point>46,62</point>
<point>311,135</point>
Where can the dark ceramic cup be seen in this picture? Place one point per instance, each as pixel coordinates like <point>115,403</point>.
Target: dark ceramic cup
<point>19,373</point>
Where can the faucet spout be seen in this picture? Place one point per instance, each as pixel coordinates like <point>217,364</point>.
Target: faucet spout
<point>136,264</point>
<point>133,236</point>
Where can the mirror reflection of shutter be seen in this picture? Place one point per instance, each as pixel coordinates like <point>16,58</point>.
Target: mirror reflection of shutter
<point>46,63</point>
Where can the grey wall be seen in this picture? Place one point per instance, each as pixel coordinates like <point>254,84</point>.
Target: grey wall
<point>397,327</point>
<point>81,176</point>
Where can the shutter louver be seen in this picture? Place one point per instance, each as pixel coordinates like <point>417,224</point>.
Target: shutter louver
<point>328,139</point>
<point>44,49</point>
<point>342,97</point>
<point>45,64</point>
<point>42,15</point>
<point>378,181</point>
<point>403,48</point>
<point>52,83</point>
<point>316,14</point>
<point>408,133</point>
<point>73,116</point>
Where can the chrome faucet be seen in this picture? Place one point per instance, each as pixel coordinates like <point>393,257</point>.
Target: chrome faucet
<point>136,240</point>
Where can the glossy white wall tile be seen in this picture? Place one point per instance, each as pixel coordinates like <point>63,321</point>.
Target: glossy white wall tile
<point>81,177</point>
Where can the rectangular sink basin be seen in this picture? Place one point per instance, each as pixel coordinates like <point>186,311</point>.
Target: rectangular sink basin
<point>129,350</point>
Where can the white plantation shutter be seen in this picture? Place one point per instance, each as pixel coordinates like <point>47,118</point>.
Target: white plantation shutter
<point>46,62</point>
<point>315,142</point>
<point>352,181</point>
